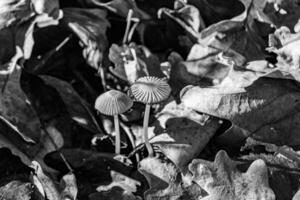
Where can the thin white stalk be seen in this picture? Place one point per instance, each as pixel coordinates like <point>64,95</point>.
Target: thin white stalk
<point>118,138</point>
<point>145,125</point>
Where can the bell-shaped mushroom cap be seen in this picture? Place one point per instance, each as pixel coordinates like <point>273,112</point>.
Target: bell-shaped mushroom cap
<point>150,89</point>
<point>113,102</point>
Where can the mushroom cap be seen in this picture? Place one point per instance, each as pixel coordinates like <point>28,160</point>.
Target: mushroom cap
<point>113,102</point>
<point>150,89</point>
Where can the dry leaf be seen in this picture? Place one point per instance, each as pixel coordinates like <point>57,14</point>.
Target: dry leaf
<point>49,187</point>
<point>16,190</point>
<point>166,181</point>
<point>77,107</point>
<point>267,109</point>
<point>181,133</point>
<point>90,27</point>
<point>133,61</point>
<point>221,179</point>
<point>69,187</point>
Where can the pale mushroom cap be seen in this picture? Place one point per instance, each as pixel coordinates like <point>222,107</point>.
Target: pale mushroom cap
<point>150,90</point>
<point>113,102</point>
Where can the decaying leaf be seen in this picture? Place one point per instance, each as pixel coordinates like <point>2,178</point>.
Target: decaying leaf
<point>16,109</point>
<point>69,187</point>
<point>285,45</point>
<point>121,186</point>
<point>221,179</point>
<point>267,109</point>
<point>49,187</point>
<point>282,13</point>
<point>119,7</point>
<point>22,131</point>
<point>133,61</point>
<point>90,27</point>
<point>166,181</point>
<point>16,190</point>
<point>77,107</point>
<point>181,133</point>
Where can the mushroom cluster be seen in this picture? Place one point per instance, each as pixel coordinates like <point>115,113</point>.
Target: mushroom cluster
<point>148,90</point>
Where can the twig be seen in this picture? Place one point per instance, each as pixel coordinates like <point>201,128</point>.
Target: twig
<point>48,55</point>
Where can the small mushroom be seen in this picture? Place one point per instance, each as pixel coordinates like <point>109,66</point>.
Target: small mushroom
<point>113,103</point>
<point>149,90</point>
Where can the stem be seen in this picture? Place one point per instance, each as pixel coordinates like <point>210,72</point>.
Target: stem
<point>145,125</point>
<point>102,75</point>
<point>129,16</point>
<point>118,140</point>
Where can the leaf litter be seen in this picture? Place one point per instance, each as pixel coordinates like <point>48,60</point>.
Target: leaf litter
<point>233,69</point>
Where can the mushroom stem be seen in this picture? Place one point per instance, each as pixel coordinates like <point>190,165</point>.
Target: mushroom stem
<point>118,139</point>
<point>145,125</point>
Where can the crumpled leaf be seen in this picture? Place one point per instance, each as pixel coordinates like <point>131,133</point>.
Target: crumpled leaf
<point>280,151</point>
<point>17,22</point>
<point>238,35</point>
<point>16,190</point>
<point>69,187</point>
<point>94,169</point>
<point>90,27</point>
<point>267,109</point>
<point>221,179</point>
<point>14,12</point>
<point>282,13</point>
<point>22,131</point>
<point>222,48</point>
<point>283,173</point>
<point>51,190</point>
<point>122,187</point>
<point>285,45</point>
<point>181,133</point>
<point>166,182</point>
<point>134,61</point>
<point>49,187</point>
<point>214,11</point>
<point>187,15</point>
<point>119,7</point>
<point>119,180</point>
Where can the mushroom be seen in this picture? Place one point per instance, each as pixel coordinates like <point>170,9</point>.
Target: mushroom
<point>149,90</point>
<point>113,103</point>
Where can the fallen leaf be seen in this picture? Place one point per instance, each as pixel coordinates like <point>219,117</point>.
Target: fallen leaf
<point>49,187</point>
<point>288,54</point>
<point>90,27</point>
<point>282,13</point>
<point>221,179</point>
<point>78,108</point>
<point>120,7</point>
<point>166,181</point>
<point>16,109</point>
<point>69,187</point>
<point>266,109</point>
<point>16,190</point>
<point>133,61</point>
<point>181,133</point>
